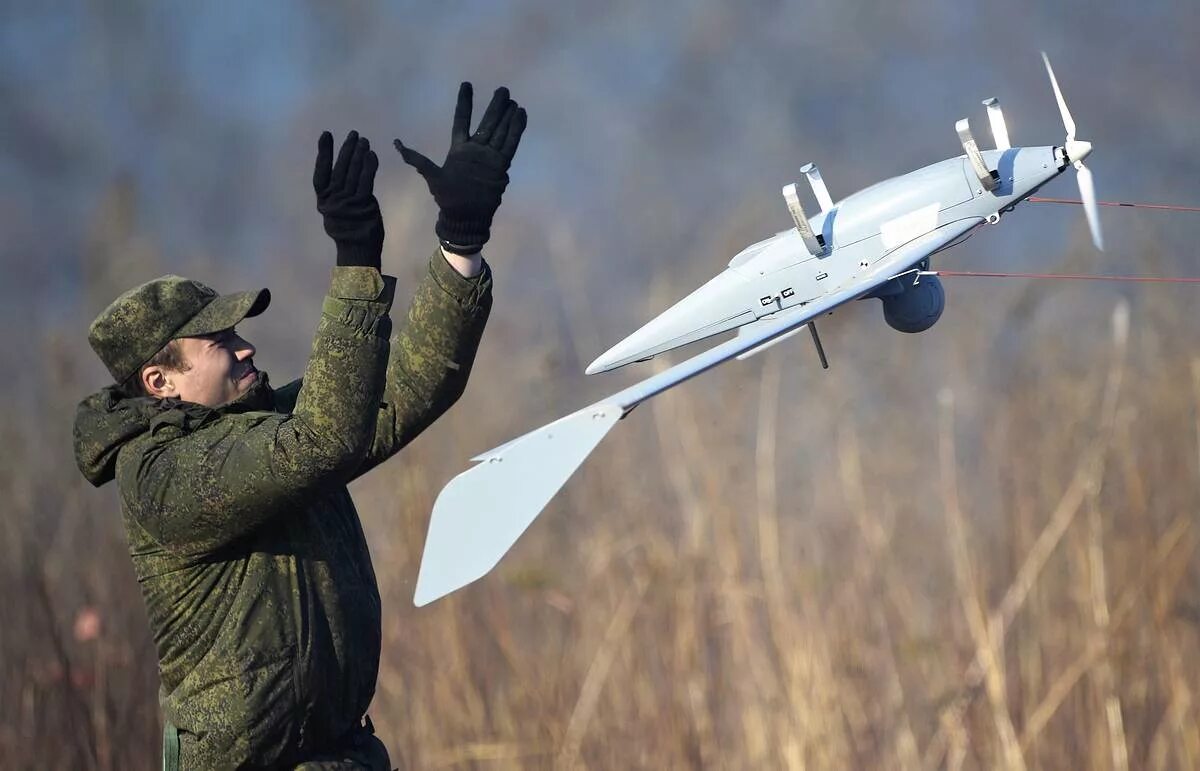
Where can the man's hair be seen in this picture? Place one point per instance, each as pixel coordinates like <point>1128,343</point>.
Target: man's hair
<point>170,356</point>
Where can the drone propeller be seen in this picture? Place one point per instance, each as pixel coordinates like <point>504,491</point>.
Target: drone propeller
<point>1076,150</point>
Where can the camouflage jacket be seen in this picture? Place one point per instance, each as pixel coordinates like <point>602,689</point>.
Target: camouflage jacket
<point>249,552</point>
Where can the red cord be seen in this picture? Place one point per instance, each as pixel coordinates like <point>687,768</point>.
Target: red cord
<point>1168,207</point>
<point>1076,276</point>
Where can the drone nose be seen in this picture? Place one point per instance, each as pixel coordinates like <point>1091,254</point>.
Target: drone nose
<point>1078,149</point>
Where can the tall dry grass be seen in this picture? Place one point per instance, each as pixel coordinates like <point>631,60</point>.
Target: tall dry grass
<point>956,559</point>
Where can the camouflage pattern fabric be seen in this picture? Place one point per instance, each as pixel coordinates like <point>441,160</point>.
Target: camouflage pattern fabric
<point>256,576</point>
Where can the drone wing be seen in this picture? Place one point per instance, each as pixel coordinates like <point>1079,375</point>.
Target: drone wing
<point>482,512</point>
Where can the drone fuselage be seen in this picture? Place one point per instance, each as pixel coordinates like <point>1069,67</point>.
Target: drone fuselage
<point>886,228</point>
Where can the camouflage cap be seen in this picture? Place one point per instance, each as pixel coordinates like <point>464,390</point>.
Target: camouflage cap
<point>141,321</point>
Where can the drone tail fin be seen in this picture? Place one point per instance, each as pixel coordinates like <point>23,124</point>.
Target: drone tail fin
<point>986,178</point>
<point>812,241</point>
<point>815,181</point>
<point>996,119</point>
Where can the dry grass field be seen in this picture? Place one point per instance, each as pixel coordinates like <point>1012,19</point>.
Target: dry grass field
<point>974,548</point>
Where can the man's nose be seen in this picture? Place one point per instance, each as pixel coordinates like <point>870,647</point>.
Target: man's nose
<point>244,349</point>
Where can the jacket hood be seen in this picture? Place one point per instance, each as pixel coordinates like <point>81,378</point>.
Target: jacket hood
<point>106,421</point>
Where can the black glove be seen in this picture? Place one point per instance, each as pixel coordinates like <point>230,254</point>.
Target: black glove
<point>346,199</point>
<point>468,185</point>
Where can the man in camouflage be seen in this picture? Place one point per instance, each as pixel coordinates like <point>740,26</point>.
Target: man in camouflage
<point>251,559</point>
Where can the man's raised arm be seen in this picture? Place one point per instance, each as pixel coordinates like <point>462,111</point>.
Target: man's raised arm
<point>433,352</point>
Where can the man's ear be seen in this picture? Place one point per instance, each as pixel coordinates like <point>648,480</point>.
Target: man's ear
<point>156,382</point>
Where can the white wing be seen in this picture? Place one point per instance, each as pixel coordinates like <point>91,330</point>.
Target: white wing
<point>482,512</point>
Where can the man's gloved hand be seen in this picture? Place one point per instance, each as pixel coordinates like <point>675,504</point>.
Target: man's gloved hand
<point>345,197</point>
<point>468,185</point>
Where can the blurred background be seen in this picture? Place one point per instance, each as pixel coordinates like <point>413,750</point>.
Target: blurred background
<point>974,547</point>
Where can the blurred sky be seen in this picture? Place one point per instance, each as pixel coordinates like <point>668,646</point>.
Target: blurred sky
<point>659,133</point>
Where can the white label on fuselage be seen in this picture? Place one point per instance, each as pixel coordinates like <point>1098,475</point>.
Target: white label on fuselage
<point>906,227</point>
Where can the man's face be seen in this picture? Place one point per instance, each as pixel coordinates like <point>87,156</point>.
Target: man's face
<point>220,369</point>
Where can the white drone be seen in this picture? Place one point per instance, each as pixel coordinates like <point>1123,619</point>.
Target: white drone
<point>874,243</point>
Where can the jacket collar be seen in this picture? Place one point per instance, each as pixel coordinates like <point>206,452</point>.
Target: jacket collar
<point>106,421</point>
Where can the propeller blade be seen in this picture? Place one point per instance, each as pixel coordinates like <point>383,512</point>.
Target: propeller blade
<point>1087,192</point>
<point>1068,121</point>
